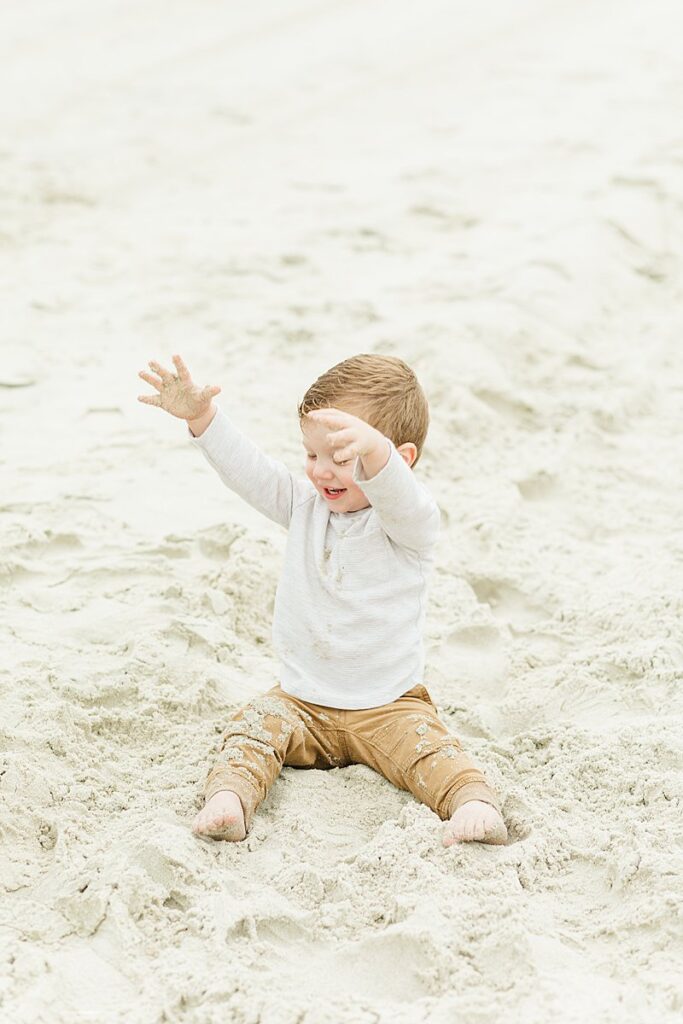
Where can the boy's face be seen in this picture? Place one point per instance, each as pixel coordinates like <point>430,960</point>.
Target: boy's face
<point>324,472</point>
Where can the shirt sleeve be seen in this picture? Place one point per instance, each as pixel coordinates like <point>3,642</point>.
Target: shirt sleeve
<point>265,483</point>
<point>406,510</point>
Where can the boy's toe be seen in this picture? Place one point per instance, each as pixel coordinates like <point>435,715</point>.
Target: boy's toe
<point>451,836</point>
<point>497,836</point>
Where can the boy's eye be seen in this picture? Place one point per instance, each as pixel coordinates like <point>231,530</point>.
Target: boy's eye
<point>344,463</point>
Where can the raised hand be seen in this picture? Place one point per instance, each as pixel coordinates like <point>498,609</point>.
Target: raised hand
<point>178,394</point>
<point>349,435</point>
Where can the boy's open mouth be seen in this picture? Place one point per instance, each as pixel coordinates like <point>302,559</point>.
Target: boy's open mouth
<point>332,493</point>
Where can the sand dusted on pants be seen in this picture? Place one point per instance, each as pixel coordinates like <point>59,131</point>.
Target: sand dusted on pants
<point>404,741</point>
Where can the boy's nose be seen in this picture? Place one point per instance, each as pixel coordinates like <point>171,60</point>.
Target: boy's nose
<point>324,474</point>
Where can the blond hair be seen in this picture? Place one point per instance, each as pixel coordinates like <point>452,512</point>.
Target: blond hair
<point>383,390</point>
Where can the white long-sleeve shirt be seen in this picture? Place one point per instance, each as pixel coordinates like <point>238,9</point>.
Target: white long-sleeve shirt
<point>351,601</point>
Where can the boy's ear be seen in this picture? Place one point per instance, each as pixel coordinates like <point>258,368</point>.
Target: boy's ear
<point>408,452</point>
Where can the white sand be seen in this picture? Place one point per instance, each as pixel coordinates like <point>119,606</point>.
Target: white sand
<point>495,193</point>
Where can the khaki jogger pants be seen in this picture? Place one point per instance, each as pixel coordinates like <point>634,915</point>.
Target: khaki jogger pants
<point>405,741</point>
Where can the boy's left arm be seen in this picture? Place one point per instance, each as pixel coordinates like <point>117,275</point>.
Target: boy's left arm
<point>408,513</point>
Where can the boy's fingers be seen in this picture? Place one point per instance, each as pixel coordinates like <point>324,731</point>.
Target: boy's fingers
<point>327,419</point>
<point>327,412</point>
<point>150,379</point>
<point>149,399</point>
<point>346,453</point>
<point>183,371</point>
<point>342,438</point>
<point>158,368</point>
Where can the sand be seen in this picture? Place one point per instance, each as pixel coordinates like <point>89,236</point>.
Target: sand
<point>493,192</point>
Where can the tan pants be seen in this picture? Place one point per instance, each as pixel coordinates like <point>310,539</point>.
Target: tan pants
<point>404,741</point>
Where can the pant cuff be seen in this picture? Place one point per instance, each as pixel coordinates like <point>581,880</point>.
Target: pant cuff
<point>474,791</point>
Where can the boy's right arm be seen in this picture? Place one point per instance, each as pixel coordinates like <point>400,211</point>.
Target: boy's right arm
<point>263,482</point>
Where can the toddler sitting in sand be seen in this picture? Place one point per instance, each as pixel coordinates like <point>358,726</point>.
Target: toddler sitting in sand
<point>350,604</point>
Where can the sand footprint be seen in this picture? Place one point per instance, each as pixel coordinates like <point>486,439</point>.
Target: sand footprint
<point>390,966</point>
<point>516,410</point>
<point>508,604</point>
<point>541,486</point>
<point>477,656</point>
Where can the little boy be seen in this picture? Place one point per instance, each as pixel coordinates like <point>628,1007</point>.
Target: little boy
<point>350,604</point>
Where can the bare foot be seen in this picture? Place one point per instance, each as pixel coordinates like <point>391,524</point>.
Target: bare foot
<point>221,817</point>
<point>477,821</point>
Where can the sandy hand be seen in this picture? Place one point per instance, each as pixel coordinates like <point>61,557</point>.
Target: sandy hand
<point>349,435</point>
<point>178,394</point>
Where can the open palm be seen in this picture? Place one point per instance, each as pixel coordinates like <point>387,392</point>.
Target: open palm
<point>177,393</point>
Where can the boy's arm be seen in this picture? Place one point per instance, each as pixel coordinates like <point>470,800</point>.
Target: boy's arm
<point>406,511</point>
<point>265,483</point>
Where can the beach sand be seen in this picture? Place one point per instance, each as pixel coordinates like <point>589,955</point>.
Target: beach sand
<point>494,193</point>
